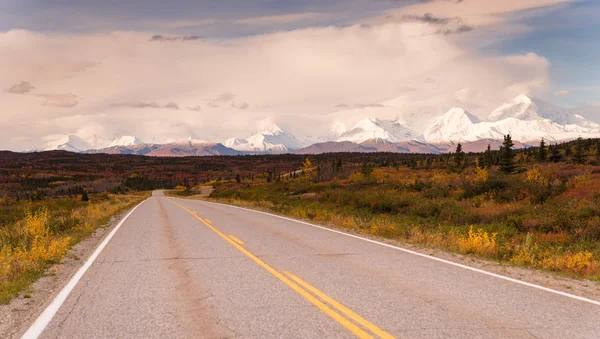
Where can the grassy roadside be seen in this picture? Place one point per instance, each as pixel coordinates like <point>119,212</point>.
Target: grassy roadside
<point>547,217</point>
<point>37,234</point>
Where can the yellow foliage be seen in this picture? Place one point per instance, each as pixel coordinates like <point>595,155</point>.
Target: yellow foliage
<point>38,246</point>
<point>478,242</point>
<point>481,173</point>
<point>581,262</point>
<point>534,176</point>
<point>380,175</point>
<point>582,178</point>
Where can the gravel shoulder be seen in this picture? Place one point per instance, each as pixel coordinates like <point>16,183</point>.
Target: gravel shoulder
<point>20,312</point>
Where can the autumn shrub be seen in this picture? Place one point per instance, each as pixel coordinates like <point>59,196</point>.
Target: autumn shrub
<point>45,232</point>
<point>544,217</point>
<point>478,242</point>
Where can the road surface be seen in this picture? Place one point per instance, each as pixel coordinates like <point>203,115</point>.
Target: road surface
<point>191,269</point>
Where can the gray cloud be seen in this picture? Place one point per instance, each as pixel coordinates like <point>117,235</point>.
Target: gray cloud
<point>458,30</point>
<point>172,105</point>
<point>166,38</point>
<point>21,88</point>
<point>224,97</point>
<point>430,19</point>
<point>243,105</point>
<point>195,109</point>
<point>59,100</point>
<point>137,105</point>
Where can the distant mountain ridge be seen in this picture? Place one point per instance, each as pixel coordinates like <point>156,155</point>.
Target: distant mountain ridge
<point>527,119</point>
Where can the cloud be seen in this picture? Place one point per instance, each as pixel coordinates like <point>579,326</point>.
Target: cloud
<point>562,92</point>
<point>241,106</point>
<point>137,105</point>
<point>430,19</point>
<point>142,105</point>
<point>458,30</point>
<point>359,106</point>
<point>224,97</point>
<point>194,108</point>
<point>165,38</point>
<point>172,105</point>
<point>59,100</point>
<point>280,19</point>
<point>296,77</point>
<point>21,88</point>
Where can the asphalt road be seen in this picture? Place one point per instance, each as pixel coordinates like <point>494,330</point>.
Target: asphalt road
<point>191,269</point>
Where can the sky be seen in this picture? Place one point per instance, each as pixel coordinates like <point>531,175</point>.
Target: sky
<point>170,70</point>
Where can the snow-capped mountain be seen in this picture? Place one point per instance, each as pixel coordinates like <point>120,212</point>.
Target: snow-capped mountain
<point>125,140</point>
<point>526,108</point>
<point>373,128</point>
<point>271,139</point>
<point>71,143</point>
<point>524,118</point>
<point>456,124</point>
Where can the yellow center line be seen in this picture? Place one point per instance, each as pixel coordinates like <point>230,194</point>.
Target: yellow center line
<point>208,221</point>
<point>236,239</point>
<point>319,304</point>
<point>360,320</point>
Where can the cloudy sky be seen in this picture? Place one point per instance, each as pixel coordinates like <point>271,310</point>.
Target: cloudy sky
<point>166,70</point>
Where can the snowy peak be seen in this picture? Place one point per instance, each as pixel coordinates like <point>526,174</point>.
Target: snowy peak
<point>526,108</point>
<point>270,139</point>
<point>373,128</point>
<point>126,140</point>
<point>271,129</point>
<point>454,125</point>
<point>71,143</point>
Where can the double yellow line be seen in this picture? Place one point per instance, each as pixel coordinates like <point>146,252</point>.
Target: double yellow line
<point>303,288</point>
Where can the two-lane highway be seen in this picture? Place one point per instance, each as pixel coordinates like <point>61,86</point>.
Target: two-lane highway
<point>191,269</point>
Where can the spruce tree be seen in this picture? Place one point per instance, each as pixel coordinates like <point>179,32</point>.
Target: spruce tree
<point>488,157</point>
<point>507,156</point>
<point>579,154</point>
<point>542,153</point>
<point>84,196</point>
<point>459,156</point>
<point>555,155</point>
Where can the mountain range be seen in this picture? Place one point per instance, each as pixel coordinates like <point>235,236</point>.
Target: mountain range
<point>527,119</point>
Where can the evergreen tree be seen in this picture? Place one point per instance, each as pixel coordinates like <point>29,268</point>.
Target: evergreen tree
<point>507,156</point>
<point>84,196</point>
<point>555,155</point>
<point>459,156</point>
<point>238,179</point>
<point>579,154</point>
<point>488,157</point>
<point>366,169</point>
<point>542,153</point>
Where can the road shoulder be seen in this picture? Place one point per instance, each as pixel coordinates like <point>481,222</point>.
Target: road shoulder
<point>20,312</point>
<point>580,287</point>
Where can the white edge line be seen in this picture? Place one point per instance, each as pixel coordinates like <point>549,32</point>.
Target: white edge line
<point>517,281</point>
<point>44,319</point>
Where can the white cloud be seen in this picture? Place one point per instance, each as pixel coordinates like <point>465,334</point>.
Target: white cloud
<point>295,78</point>
<point>562,92</point>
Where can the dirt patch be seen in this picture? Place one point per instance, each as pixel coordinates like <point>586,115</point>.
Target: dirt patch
<point>20,312</point>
